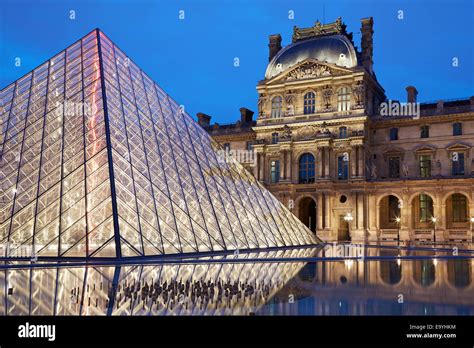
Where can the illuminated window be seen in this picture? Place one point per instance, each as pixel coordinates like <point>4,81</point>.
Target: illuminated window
<point>274,171</point>
<point>426,208</point>
<point>425,166</point>
<point>343,99</point>
<point>276,107</point>
<point>459,207</point>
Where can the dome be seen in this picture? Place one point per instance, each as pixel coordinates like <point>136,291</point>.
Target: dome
<point>334,49</point>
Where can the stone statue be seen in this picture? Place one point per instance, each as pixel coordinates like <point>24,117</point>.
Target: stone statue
<point>358,92</point>
<point>290,110</point>
<point>261,105</point>
<point>438,168</point>
<point>405,169</point>
<point>327,96</point>
<point>324,129</point>
<point>373,171</point>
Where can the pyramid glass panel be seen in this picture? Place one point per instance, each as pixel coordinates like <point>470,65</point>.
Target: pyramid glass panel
<point>98,161</point>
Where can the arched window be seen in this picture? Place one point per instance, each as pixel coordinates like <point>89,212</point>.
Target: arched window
<point>425,208</point>
<point>309,103</point>
<point>459,207</point>
<point>276,107</point>
<point>306,169</point>
<point>343,99</point>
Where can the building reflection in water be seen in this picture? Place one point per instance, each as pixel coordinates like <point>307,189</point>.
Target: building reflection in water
<point>385,286</point>
<point>392,286</point>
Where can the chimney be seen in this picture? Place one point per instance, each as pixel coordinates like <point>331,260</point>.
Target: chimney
<point>246,115</point>
<point>367,43</point>
<point>274,45</point>
<point>203,119</point>
<point>411,94</point>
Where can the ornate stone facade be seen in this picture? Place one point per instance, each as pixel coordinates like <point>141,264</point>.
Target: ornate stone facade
<point>324,149</point>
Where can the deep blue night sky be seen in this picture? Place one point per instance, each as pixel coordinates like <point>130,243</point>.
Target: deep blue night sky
<point>193,59</point>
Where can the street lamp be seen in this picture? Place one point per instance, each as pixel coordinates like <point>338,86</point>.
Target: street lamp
<point>397,220</point>
<point>433,220</point>
<point>348,218</point>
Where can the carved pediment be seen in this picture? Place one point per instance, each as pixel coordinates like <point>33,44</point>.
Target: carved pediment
<point>309,70</point>
<point>458,146</point>
<point>425,148</point>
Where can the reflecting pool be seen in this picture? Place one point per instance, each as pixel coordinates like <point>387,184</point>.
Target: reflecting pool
<point>331,280</point>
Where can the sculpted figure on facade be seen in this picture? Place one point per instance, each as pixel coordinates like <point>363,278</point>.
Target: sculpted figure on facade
<point>309,70</point>
<point>405,169</point>
<point>261,105</point>
<point>438,167</point>
<point>359,94</point>
<point>327,96</point>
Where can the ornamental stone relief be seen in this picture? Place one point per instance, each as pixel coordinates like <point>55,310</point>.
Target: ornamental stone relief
<point>308,70</point>
<point>358,91</point>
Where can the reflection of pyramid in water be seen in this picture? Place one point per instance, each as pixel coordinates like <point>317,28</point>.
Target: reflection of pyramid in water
<point>98,161</point>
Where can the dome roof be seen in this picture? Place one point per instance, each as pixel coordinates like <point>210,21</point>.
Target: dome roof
<point>334,49</point>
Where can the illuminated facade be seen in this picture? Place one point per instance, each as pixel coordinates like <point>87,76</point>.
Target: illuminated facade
<point>327,148</point>
<point>98,161</point>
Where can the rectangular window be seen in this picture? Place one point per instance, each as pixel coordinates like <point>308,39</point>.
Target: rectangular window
<point>342,132</point>
<point>309,103</point>
<point>424,132</point>
<point>227,146</point>
<point>425,166</point>
<point>457,128</point>
<point>342,167</point>
<point>393,133</point>
<point>274,138</point>
<point>394,167</point>
<point>458,163</point>
<point>274,171</point>
<point>249,145</point>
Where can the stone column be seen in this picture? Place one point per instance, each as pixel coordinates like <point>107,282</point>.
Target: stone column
<point>360,160</point>
<point>262,168</point>
<point>439,210</point>
<point>352,162</point>
<point>405,218</point>
<point>256,166</point>
<point>282,165</point>
<point>319,163</point>
<point>326,162</point>
<point>319,211</point>
<point>327,206</point>
<point>360,211</point>
<point>373,211</point>
<point>289,165</point>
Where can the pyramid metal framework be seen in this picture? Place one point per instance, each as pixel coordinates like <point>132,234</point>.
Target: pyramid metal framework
<point>96,160</point>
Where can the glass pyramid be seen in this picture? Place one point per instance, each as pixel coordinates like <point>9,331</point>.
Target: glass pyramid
<point>96,160</point>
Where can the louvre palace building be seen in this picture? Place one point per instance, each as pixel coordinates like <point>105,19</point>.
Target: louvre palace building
<point>348,161</point>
